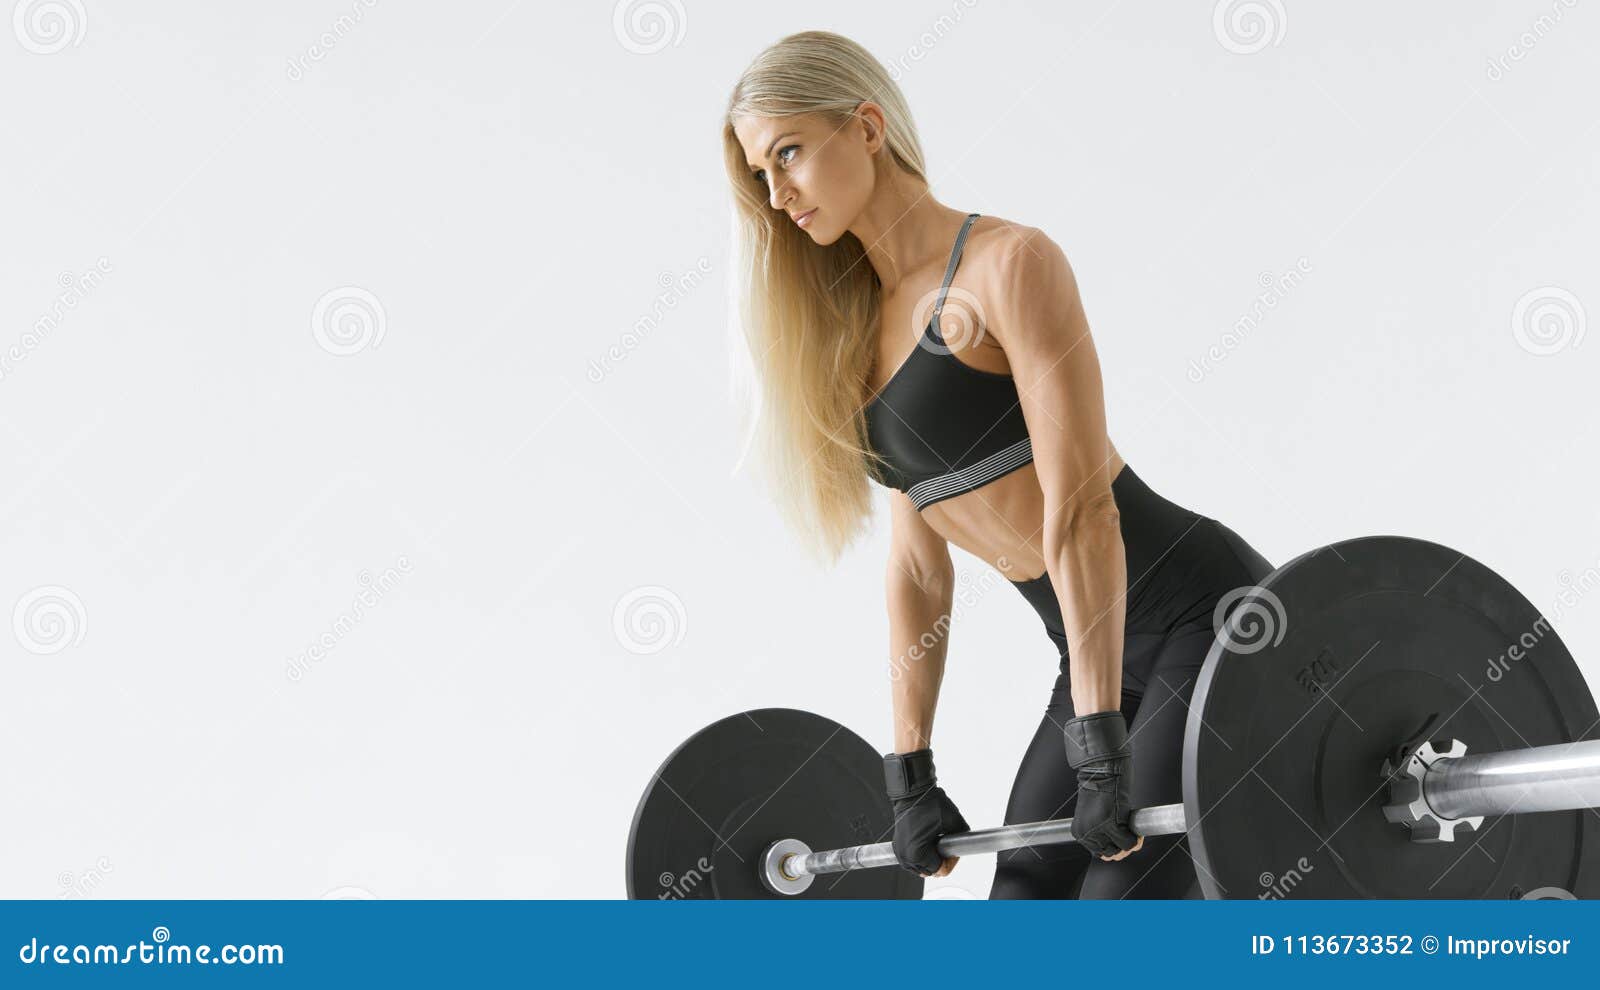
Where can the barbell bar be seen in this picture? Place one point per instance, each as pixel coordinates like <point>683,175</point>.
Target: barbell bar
<point>788,865</point>
<point>1562,777</point>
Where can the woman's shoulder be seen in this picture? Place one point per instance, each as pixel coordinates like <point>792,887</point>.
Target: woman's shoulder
<point>1002,250</point>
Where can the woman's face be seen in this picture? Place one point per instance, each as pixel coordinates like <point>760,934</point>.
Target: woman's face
<point>812,166</point>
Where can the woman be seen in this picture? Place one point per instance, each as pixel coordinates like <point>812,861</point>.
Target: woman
<point>947,357</point>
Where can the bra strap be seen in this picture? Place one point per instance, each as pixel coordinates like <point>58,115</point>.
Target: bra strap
<point>950,271</point>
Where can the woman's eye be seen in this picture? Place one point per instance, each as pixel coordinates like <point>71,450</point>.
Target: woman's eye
<point>760,175</point>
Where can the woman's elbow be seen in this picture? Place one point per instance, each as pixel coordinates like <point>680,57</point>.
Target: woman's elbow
<point>1087,518</point>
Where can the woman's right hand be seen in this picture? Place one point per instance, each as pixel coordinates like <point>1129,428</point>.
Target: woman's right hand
<point>923,813</point>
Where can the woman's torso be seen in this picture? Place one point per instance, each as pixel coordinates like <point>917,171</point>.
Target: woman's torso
<point>943,411</point>
<point>1001,522</point>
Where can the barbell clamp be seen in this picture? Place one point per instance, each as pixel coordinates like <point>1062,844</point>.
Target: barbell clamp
<point>1408,800</point>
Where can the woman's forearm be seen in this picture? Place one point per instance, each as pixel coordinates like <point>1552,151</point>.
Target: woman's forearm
<point>1089,572</point>
<point>919,632</point>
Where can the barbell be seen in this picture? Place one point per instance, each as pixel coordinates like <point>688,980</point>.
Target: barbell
<point>1381,717</point>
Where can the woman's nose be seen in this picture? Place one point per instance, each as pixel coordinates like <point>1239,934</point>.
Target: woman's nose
<point>780,193</point>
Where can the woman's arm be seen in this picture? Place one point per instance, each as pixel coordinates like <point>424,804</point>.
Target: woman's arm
<point>919,587</point>
<point>1038,319</point>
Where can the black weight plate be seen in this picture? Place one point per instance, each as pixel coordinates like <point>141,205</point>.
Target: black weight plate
<point>740,784</point>
<point>1336,658</point>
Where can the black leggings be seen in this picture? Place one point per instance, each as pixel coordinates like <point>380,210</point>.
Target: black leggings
<point>1180,566</point>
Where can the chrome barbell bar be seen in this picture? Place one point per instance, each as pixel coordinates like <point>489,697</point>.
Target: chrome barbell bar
<point>1454,790</point>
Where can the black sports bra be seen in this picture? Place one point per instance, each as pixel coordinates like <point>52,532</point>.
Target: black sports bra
<point>945,427</point>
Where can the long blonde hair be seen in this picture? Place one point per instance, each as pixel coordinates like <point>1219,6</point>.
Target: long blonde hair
<point>807,311</point>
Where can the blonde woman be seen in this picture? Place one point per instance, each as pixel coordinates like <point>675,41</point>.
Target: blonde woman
<point>947,357</point>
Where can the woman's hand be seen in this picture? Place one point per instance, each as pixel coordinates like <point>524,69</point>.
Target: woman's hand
<point>1098,748</point>
<point>923,813</point>
<point>944,871</point>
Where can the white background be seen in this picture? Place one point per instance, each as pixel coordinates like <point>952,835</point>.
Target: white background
<point>194,483</point>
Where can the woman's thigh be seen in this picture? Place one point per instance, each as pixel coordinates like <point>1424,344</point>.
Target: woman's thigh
<point>1046,787</point>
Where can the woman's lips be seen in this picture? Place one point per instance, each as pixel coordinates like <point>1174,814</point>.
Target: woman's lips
<point>804,219</point>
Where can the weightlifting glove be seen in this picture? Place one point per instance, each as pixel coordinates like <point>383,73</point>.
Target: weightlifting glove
<point>922,812</point>
<point>1097,747</point>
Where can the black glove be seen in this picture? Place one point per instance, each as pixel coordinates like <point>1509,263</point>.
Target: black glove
<point>922,812</point>
<point>1097,747</point>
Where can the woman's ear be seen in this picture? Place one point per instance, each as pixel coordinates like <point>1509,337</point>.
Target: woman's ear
<point>871,117</point>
